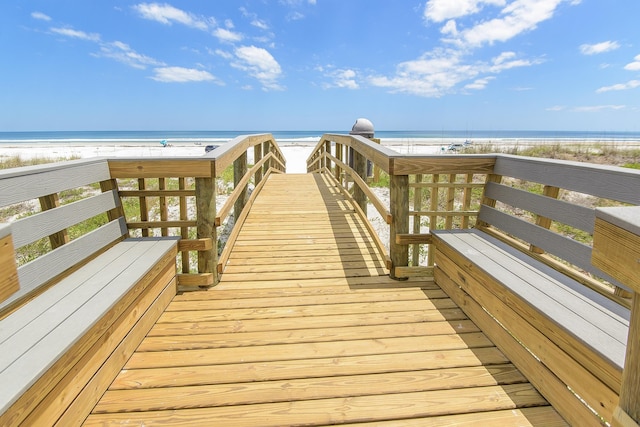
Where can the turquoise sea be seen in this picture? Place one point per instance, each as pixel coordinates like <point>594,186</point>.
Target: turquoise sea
<point>304,136</point>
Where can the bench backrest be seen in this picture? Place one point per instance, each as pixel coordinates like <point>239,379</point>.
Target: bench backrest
<point>542,193</point>
<point>45,190</point>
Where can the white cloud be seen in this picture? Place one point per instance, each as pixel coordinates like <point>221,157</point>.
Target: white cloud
<point>442,10</point>
<point>258,23</point>
<point>295,16</point>
<point>122,52</point>
<point>594,49</point>
<point>633,66</point>
<point>343,79</point>
<point>167,14</point>
<point>222,53</point>
<point>631,84</point>
<point>181,75</point>
<point>450,28</point>
<point>557,108</point>
<point>442,71</point>
<point>40,16</point>
<point>225,35</point>
<point>76,34</point>
<point>598,108</point>
<point>479,84</point>
<point>433,75</point>
<point>516,18</point>
<point>260,64</point>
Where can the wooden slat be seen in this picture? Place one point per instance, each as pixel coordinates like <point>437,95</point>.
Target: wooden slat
<point>607,182</point>
<point>568,249</point>
<point>567,213</point>
<point>35,227</point>
<point>26,183</point>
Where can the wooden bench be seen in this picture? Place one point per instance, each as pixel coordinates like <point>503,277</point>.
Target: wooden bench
<point>81,308</point>
<point>534,291</point>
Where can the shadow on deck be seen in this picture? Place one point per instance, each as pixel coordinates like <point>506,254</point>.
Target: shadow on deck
<point>307,328</point>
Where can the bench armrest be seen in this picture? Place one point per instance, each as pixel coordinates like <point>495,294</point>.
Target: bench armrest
<point>616,250</point>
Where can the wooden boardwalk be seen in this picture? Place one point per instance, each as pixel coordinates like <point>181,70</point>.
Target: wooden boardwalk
<point>306,328</point>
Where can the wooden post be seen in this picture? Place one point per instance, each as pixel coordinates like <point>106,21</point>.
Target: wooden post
<point>239,170</point>
<point>360,166</point>
<point>184,231</point>
<point>61,237</point>
<point>542,221</point>
<point>417,206</point>
<point>616,251</point>
<point>327,149</point>
<point>257,156</point>
<point>434,201</point>
<point>144,211</point>
<point>9,283</point>
<point>266,149</point>
<point>206,219</point>
<point>399,192</point>
<point>629,405</point>
<point>339,157</point>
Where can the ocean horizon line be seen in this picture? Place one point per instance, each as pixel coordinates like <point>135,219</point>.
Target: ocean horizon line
<point>143,136</point>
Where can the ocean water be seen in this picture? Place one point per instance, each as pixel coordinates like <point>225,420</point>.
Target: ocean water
<point>218,137</point>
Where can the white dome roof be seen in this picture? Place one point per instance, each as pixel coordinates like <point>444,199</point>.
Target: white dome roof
<point>363,127</point>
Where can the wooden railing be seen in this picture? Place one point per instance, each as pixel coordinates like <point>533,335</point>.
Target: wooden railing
<point>426,192</point>
<point>178,196</point>
<point>544,208</point>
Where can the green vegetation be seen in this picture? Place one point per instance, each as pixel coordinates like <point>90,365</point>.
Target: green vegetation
<point>17,161</point>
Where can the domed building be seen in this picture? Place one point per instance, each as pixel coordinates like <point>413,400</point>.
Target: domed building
<point>362,127</point>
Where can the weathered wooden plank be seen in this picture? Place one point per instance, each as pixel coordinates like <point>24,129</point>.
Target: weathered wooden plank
<point>607,182</point>
<point>158,359</point>
<point>173,167</point>
<point>43,224</point>
<point>453,164</point>
<point>302,311</point>
<point>291,336</point>
<point>300,368</point>
<point>26,183</point>
<point>567,213</point>
<point>524,417</point>
<point>229,299</point>
<point>188,327</point>
<point>340,410</point>
<point>307,389</point>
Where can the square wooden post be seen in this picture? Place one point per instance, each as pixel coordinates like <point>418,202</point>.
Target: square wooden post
<point>399,208</point>
<point>206,223</point>
<point>616,251</point>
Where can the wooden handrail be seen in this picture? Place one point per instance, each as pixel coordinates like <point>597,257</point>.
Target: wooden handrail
<point>201,172</point>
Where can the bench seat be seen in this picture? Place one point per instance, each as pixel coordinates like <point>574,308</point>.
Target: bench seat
<point>588,316</point>
<point>42,341</point>
<point>576,333</point>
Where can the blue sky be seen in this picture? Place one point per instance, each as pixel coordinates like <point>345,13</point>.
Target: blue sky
<point>319,64</point>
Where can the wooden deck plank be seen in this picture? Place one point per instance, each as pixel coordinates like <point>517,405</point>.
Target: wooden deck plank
<point>306,327</point>
<point>340,410</point>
